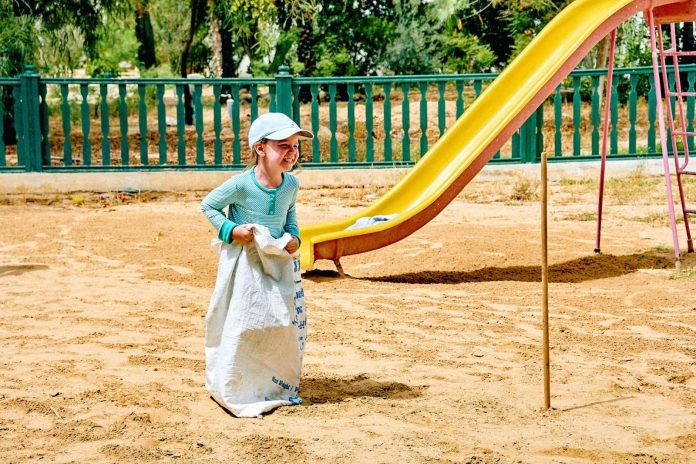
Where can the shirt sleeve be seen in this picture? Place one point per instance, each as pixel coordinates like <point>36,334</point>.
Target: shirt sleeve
<point>291,226</point>
<point>213,204</point>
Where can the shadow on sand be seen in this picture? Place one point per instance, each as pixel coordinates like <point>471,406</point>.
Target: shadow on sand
<point>319,390</point>
<point>595,403</point>
<point>322,390</point>
<point>20,269</point>
<point>578,270</point>
<point>321,275</point>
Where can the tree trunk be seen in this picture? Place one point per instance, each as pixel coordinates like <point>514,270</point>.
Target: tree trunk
<point>282,48</point>
<point>284,43</point>
<point>215,42</point>
<point>688,41</point>
<point>306,54</point>
<point>198,12</point>
<point>229,67</point>
<point>9,134</point>
<point>144,34</point>
<point>306,47</point>
<point>188,108</point>
<point>688,44</point>
<point>602,61</point>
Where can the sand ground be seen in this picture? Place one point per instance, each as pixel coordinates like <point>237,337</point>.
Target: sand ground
<point>429,352</point>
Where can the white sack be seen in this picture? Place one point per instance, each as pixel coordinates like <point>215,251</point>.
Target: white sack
<point>256,328</point>
<point>371,220</point>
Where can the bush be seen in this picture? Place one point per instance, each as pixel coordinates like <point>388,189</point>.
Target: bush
<point>411,51</point>
<point>117,44</point>
<point>464,53</point>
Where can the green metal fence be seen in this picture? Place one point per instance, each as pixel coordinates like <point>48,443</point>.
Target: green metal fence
<point>150,124</point>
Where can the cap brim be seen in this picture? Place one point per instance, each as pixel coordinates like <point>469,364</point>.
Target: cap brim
<point>289,132</point>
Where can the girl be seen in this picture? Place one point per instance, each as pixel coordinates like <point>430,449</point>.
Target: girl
<point>264,194</point>
<point>256,325</point>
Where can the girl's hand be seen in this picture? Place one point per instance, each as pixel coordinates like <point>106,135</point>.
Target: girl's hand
<point>243,234</point>
<point>292,245</point>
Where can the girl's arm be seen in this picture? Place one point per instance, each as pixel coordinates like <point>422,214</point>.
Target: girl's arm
<point>291,226</point>
<point>213,204</point>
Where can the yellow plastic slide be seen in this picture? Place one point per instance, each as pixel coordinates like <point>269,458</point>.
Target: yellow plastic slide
<point>478,134</point>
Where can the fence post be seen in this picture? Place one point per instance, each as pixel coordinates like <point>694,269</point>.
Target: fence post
<point>531,141</point>
<point>539,134</point>
<point>531,138</point>
<point>524,141</point>
<point>284,91</point>
<point>31,119</point>
<point>528,139</point>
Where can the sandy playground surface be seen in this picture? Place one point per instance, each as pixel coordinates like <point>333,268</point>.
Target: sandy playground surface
<point>429,352</point>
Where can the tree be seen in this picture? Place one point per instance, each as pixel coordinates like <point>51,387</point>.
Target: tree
<point>170,27</point>
<point>17,46</point>
<point>264,31</point>
<point>526,18</point>
<point>414,42</point>
<point>198,16</point>
<point>468,36</point>
<point>486,21</point>
<point>117,44</point>
<point>145,34</point>
<point>86,15</point>
<point>348,38</point>
<point>464,53</point>
<point>22,20</point>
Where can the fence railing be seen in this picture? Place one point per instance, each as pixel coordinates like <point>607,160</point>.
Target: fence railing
<point>58,124</point>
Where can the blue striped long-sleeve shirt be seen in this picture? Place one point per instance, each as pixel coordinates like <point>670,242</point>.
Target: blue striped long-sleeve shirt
<point>251,203</point>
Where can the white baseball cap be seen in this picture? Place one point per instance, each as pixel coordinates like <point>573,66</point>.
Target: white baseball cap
<point>275,126</point>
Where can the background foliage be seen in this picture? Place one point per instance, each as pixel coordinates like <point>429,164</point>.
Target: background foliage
<point>230,38</point>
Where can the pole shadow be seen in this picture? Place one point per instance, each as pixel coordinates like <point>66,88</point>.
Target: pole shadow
<point>595,403</point>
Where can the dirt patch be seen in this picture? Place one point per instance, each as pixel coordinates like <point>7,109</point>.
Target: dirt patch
<point>428,352</point>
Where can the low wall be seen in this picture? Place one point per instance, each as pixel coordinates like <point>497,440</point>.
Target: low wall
<point>36,183</point>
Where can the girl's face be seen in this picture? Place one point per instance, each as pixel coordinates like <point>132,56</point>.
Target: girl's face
<point>279,154</point>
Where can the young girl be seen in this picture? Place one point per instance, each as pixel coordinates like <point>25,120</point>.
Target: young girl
<point>255,326</point>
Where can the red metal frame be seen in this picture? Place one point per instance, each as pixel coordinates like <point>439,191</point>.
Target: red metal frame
<point>663,132</point>
<point>681,131</point>
<point>336,248</point>
<point>657,17</point>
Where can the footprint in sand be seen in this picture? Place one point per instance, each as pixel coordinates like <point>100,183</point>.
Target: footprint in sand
<point>629,299</point>
<point>368,265</point>
<point>7,248</point>
<point>647,332</point>
<point>420,251</point>
<point>178,269</point>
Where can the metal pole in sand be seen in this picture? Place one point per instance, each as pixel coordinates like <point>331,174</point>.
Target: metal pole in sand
<point>545,282</point>
<point>605,138</point>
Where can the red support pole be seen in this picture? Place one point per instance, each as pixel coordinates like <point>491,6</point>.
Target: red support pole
<point>663,131</point>
<point>680,168</point>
